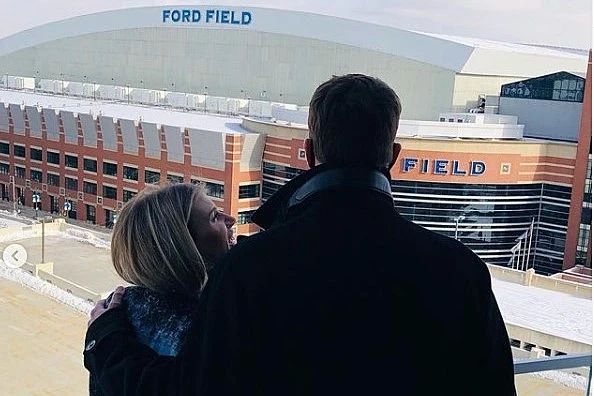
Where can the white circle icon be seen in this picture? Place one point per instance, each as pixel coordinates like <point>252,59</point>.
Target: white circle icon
<point>14,255</point>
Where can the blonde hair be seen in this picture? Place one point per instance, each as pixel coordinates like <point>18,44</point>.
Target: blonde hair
<point>151,245</point>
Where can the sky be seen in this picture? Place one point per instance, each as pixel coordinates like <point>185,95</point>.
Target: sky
<point>566,23</point>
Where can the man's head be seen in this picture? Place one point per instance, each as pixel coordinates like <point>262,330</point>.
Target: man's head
<point>353,121</point>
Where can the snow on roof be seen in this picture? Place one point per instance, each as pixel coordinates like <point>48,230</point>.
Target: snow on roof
<point>119,110</point>
<point>548,311</point>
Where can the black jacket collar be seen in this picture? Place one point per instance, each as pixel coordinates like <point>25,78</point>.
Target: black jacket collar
<point>320,179</point>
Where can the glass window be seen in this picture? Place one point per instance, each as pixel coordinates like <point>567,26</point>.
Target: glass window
<point>36,154</point>
<point>19,151</point>
<point>71,161</point>
<point>53,179</point>
<point>215,190</point>
<point>174,178</point>
<point>90,188</point>
<point>110,169</point>
<point>90,165</point>
<point>130,173</point>
<point>4,148</point>
<point>70,183</point>
<point>110,192</point>
<point>128,195</point>
<point>19,172</point>
<point>249,191</point>
<point>245,217</point>
<point>151,177</point>
<point>4,169</point>
<point>36,175</point>
<point>53,157</point>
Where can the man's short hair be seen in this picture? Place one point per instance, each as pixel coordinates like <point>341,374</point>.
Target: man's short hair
<point>353,121</point>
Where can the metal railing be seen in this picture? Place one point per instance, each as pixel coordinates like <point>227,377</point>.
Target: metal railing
<point>526,366</point>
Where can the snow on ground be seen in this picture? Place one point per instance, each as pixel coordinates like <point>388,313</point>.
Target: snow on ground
<point>42,287</point>
<point>84,236</point>
<point>569,380</point>
<point>549,311</point>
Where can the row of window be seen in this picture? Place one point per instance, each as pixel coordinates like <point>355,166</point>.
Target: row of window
<point>212,189</point>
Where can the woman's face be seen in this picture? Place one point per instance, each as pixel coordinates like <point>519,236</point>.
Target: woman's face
<point>210,228</point>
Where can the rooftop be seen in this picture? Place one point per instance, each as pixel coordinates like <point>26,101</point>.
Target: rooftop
<point>120,110</point>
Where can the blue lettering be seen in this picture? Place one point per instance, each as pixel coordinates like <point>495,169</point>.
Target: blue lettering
<point>408,164</point>
<point>195,15</point>
<point>186,16</point>
<point>218,13</point>
<point>425,166</point>
<point>209,15</point>
<point>233,20</point>
<point>175,16</point>
<point>456,171</point>
<point>225,16</point>
<point>477,168</point>
<point>246,18</point>
<point>166,14</point>
<point>440,167</point>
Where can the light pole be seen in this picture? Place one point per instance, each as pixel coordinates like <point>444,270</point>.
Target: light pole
<point>458,220</point>
<point>128,92</point>
<point>62,77</point>
<point>94,91</point>
<point>205,96</point>
<point>43,221</point>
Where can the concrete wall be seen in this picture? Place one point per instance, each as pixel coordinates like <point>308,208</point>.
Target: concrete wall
<point>230,63</point>
<point>544,340</point>
<point>529,278</point>
<point>547,119</point>
<point>467,89</point>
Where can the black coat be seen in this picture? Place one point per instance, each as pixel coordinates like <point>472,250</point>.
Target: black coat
<point>341,295</point>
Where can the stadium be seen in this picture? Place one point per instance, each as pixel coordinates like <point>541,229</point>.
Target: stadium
<point>495,136</point>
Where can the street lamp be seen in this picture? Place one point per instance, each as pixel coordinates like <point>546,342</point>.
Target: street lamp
<point>458,220</point>
<point>128,92</point>
<point>205,96</point>
<point>62,77</point>
<point>46,219</point>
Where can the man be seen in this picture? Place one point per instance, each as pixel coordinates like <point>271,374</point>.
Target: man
<point>340,294</point>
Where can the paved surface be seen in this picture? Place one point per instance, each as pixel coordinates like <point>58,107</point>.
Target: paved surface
<point>78,262</point>
<point>41,342</point>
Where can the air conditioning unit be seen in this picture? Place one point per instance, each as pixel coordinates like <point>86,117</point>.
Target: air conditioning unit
<point>81,195</point>
<point>62,191</point>
<point>43,187</point>
<point>27,183</point>
<point>99,200</point>
<point>120,205</point>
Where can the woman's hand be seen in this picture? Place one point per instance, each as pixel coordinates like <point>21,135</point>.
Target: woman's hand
<point>102,305</point>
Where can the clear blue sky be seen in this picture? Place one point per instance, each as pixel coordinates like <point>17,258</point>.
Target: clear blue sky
<point>565,23</point>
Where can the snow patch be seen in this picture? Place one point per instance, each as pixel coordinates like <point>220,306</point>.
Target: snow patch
<point>83,236</point>
<point>42,287</point>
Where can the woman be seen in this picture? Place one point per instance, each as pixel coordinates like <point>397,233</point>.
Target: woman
<point>164,242</point>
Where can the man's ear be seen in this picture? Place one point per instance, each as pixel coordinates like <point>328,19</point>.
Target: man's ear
<point>395,153</point>
<point>309,153</point>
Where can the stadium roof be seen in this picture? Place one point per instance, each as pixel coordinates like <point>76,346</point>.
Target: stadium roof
<point>119,110</point>
<point>462,55</point>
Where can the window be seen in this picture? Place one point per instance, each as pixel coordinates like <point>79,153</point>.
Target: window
<point>71,161</point>
<point>130,173</point>
<point>70,183</point>
<point>90,165</point>
<point>36,154</point>
<point>174,178</point>
<point>53,158</point>
<point>249,191</point>
<point>128,195</point>
<point>245,217</point>
<point>90,188</point>
<point>151,177</point>
<point>215,190</point>
<point>52,179</point>
<point>19,172</point>
<point>4,148</point>
<point>4,169</point>
<point>19,151</point>
<point>110,192</point>
<point>110,169</point>
<point>36,175</point>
